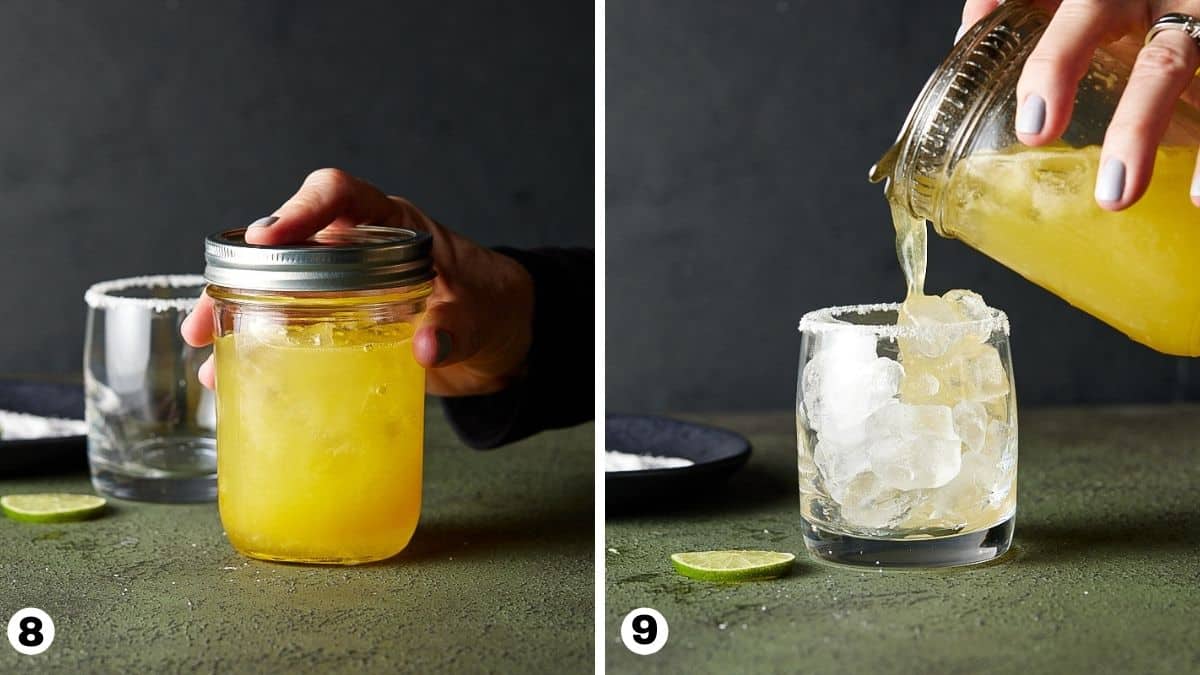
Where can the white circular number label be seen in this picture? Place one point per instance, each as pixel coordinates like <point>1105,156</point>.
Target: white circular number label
<point>644,631</point>
<point>30,631</point>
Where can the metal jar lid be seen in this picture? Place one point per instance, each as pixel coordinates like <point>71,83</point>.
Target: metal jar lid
<point>334,259</point>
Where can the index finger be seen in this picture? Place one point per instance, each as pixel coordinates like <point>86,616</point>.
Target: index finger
<point>327,197</point>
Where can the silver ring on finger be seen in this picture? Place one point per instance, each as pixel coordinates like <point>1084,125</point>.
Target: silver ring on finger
<point>1175,21</point>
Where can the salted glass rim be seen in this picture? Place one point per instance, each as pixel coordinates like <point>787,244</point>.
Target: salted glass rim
<point>100,295</point>
<point>827,319</point>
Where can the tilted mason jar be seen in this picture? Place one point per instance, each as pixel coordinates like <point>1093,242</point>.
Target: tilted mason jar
<point>959,164</point>
<point>320,401</point>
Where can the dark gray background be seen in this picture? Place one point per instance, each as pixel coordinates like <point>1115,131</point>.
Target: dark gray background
<point>738,140</point>
<point>129,130</point>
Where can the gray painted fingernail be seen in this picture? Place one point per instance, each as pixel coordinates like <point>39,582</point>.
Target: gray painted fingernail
<point>1110,184</point>
<point>1032,115</point>
<point>265,222</point>
<point>962,28</point>
<point>444,345</point>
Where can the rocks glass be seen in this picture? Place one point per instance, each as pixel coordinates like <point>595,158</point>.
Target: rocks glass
<point>151,425</point>
<point>907,437</point>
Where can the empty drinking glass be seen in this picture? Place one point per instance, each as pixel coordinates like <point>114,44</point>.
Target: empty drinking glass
<point>151,425</point>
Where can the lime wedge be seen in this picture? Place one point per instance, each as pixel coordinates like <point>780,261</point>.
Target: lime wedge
<point>51,507</point>
<point>733,565</point>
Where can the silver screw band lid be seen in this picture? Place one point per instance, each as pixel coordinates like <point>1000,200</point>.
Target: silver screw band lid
<point>334,259</point>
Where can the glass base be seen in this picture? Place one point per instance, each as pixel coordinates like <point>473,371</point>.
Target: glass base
<point>294,560</point>
<point>308,548</point>
<point>167,490</point>
<point>177,469</point>
<point>963,549</point>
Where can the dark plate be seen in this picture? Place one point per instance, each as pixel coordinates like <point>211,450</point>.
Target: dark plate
<point>49,399</point>
<point>717,454</point>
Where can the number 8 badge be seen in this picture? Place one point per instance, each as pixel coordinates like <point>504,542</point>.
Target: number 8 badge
<point>30,631</point>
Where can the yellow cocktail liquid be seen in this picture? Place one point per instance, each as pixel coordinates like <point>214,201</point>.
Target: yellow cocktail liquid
<point>1138,270</point>
<point>319,438</point>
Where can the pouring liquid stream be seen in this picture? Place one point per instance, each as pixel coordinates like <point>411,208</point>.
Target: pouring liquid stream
<point>912,236</point>
<point>911,249</point>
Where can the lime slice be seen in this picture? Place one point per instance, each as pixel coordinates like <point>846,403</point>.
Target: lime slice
<point>51,507</point>
<point>733,565</point>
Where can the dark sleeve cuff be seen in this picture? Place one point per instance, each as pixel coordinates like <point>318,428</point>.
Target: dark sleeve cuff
<point>558,390</point>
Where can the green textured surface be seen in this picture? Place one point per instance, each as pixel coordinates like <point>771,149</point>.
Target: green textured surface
<point>499,578</point>
<point>1104,576</point>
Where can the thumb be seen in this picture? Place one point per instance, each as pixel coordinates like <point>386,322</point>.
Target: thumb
<point>446,336</point>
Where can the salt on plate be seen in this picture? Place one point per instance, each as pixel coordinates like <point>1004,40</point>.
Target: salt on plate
<point>16,426</point>
<point>615,460</point>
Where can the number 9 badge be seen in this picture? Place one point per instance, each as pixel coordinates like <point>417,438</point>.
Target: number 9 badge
<point>644,631</point>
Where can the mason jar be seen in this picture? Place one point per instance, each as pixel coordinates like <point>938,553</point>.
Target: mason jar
<point>958,163</point>
<point>320,400</point>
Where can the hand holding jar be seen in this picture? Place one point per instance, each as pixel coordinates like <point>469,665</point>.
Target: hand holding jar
<point>1161,37</point>
<point>477,328</point>
<point>330,319</point>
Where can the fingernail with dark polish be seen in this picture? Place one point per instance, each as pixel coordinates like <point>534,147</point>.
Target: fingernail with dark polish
<point>1032,115</point>
<point>1110,184</point>
<point>265,222</point>
<point>444,345</point>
